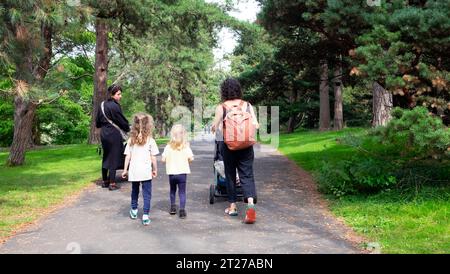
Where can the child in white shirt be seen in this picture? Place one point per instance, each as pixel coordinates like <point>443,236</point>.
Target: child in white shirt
<point>177,155</point>
<point>140,157</point>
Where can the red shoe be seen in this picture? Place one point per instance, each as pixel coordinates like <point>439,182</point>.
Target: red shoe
<point>250,215</point>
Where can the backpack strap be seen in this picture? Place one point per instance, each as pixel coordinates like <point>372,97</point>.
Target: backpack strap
<point>224,108</point>
<point>240,105</point>
<point>122,133</point>
<point>248,107</point>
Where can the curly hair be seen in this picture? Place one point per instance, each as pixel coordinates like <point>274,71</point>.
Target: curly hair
<point>141,129</point>
<point>230,89</point>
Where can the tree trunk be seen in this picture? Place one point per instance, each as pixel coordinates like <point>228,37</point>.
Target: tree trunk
<point>28,73</point>
<point>100,75</point>
<point>40,71</point>
<point>324,119</point>
<point>291,124</point>
<point>293,118</point>
<point>338,108</point>
<point>382,105</point>
<point>24,112</point>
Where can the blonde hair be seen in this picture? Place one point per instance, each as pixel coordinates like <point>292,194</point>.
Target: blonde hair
<point>178,137</point>
<point>141,129</point>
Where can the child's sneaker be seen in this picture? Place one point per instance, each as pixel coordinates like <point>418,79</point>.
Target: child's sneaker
<point>145,220</point>
<point>173,210</point>
<point>250,214</point>
<point>182,213</point>
<point>133,213</point>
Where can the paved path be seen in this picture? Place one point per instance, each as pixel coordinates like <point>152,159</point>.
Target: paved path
<point>290,218</point>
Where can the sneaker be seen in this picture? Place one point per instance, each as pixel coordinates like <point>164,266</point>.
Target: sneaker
<point>146,220</point>
<point>250,215</point>
<point>182,213</point>
<point>105,184</point>
<point>173,210</point>
<point>133,213</point>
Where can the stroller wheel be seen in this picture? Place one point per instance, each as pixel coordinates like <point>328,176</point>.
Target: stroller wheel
<point>212,192</point>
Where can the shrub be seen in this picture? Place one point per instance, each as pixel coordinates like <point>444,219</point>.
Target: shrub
<point>6,123</point>
<point>358,175</point>
<point>415,134</point>
<point>410,151</point>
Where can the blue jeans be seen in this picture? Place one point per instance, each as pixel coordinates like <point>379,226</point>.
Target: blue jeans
<point>180,181</point>
<point>146,194</point>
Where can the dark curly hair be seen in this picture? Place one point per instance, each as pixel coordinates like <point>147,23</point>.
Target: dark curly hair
<point>230,89</point>
<point>113,89</point>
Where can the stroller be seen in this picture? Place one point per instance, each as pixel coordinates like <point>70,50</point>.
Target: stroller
<point>219,187</point>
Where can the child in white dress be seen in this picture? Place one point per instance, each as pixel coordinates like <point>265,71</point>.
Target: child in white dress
<point>140,163</point>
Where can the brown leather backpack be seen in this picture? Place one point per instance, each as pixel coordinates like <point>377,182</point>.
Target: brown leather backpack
<point>239,132</point>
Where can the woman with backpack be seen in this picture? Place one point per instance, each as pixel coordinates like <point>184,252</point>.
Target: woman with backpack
<point>113,126</point>
<point>235,124</point>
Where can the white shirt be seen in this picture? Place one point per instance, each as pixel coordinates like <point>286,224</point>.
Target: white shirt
<point>177,161</point>
<point>140,160</point>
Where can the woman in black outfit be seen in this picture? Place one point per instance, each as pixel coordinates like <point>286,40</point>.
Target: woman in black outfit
<point>111,138</point>
<point>240,160</point>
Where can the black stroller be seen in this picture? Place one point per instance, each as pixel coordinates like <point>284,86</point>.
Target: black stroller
<point>219,187</point>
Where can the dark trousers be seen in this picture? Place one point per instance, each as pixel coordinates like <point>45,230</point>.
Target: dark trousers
<point>242,160</point>
<point>180,182</point>
<point>110,176</point>
<point>146,194</point>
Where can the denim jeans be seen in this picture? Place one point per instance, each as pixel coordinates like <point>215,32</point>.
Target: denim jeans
<point>146,194</point>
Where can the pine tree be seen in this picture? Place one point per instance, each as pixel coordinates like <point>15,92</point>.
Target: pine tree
<point>28,30</point>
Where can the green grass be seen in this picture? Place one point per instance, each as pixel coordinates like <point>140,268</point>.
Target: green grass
<point>162,141</point>
<point>309,148</point>
<point>50,175</point>
<point>417,225</point>
<point>400,222</point>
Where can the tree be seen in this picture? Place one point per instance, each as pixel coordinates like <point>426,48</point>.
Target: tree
<point>405,52</point>
<point>28,30</point>
<point>382,105</point>
<point>172,65</point>
<point>398,49</point>
<point>338,123</point>
<point>100,75</point>
<point>324,122</point>
<point>115,17</point>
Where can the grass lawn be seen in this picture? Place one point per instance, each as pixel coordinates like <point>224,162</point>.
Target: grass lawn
<point>48,178</point>
<point>400,222</point>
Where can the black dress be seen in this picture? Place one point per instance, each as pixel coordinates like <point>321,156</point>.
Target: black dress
<point>110,136</point>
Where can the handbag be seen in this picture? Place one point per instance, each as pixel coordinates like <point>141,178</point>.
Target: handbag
<point>122,133</point>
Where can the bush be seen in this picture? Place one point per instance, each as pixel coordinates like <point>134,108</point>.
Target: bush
<point>415,134</point>
<point>63,122</point>
<point>6,122</point>
<point>358,175</point>
<point>412,150</point>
